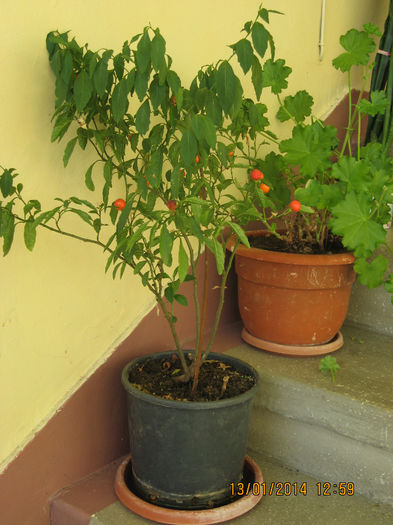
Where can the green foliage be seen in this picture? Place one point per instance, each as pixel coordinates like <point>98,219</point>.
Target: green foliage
<point>179,158</point>
<point>328,364</point>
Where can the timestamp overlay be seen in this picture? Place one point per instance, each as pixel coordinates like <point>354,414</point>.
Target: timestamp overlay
<point>294,488</point>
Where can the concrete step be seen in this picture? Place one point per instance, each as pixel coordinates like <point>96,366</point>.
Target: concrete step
<point>306,508</point>
<point>304,429</point>
<point>337,432</point>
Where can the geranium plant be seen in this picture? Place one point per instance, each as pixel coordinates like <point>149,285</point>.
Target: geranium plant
<point>340,193</point>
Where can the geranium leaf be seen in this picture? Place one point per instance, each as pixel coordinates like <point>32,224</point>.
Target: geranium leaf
<point>297,107</point>
<point>371,273</point>
<point>275,74</point>
<point>358,45</point>
<point>352,220</point>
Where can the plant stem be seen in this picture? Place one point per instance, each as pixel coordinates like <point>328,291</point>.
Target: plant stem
<point>202,322</point>
<point>221,299</point>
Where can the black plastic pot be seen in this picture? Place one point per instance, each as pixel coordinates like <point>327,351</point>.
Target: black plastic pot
<point>185,455</point>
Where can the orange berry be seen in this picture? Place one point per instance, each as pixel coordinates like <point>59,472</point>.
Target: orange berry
<point>257,174</point>
<point>120,204</point>
<point>264,187</point>
<point>172,205</point>
<point>230,154</point>
<point>197,159</point>
<point>295,206</point>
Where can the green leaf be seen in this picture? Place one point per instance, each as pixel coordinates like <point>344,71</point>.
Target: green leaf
<point>352,220</point>
<point>220,256</point>
<point>175,182</point>
<point>119,101</point>
<point>244,53</point>
<point>275,74</point>
<point>358,45</point>
<point>6,183</point>
<point>100,77</point>
<point>118,64</point>
<point>257,77</point>
<point>62,124</point>
<point>183,263</point>
<point>181,299</point>
<point>310,147</point>
<point>8,235</point>
<point>157,93</point>
<point>226,85</point>
<point>378,104</point>
<point>30,234</point>
<point>188,147</point>
<point>173,81</point>
<point>166,242</point>
<point>142,55</point>
<point>82,214</point>
<point>371,273</point>
<point>68,150</point>
<point>260,38</point>
<point>66,71</point>
<point>108,172</point>
<point>83,89</point>
<point>88,178</point>
<point>238,230</point>
<point>204,129</point>
<point>297,107</point>
<point>142,118</point>
<point>157,51</point>
<point>141,83</point>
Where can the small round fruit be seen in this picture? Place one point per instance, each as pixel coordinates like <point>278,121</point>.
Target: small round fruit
<point>197,159</point>
<point>120,204</point>
<point>230,154</point>
<point>172,205</point>
<point>257,174</point>
<point>295,205</point>
<point>264,187</point>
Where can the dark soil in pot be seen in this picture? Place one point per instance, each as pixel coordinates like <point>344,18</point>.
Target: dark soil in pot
<point>296,244</point>
<point>217,380</point>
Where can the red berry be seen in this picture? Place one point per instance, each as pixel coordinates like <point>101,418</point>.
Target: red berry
<point>197,159</point>
<point>295,206</point>
<point>257,174</point>
<point>230,154</point>
<point>264,187</point>
<point>120,204</point>
<point>172,205</point>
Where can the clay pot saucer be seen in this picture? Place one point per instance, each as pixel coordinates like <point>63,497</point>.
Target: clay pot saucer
<point>192,517</point>
<point>294,350</point>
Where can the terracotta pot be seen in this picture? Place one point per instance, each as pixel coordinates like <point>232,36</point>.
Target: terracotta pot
<point>292,299</point>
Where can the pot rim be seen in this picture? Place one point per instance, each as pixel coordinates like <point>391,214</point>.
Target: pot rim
<point>191,405</point>
<point>288,258</point>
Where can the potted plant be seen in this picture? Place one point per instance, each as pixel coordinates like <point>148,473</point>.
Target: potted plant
<point>166,159</point>
<point>325,207</point>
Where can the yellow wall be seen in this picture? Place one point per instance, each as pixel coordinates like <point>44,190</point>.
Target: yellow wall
<point>60,317</point>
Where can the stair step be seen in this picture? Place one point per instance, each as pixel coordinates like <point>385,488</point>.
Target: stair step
<point>338,432</point>
<point>302,509</point>
<point>305,430</point>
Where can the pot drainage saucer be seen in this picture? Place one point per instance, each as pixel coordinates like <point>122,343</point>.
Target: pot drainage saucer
<point>294,350</point>
<point>184,517</point>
